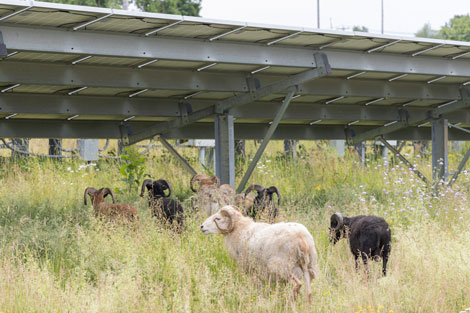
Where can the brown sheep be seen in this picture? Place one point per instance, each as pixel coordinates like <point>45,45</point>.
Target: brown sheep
<point>113,210</point>
<point>211,196</point>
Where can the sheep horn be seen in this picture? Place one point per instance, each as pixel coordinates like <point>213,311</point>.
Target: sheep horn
<point>195,178</point>
<point>88,191</point>
<point>274,189</point>
<point>145,184</point>
<point>168,185</point>
<point>216,180</point>
<point>258,188</point>
<point>106,191</point>
<point>338,218</point>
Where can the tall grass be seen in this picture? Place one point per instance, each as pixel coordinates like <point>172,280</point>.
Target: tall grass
<point>56,257</point>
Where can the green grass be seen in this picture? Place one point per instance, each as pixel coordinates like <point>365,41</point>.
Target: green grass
<point>56,257</point>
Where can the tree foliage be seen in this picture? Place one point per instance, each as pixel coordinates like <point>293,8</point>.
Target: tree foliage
<point>360,29</point>
<point>458,28</point>
<point>427,32</point>
<point>180,7</point>
<point>115,4</point>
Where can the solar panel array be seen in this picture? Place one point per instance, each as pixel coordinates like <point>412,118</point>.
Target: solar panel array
<point>80,72</point>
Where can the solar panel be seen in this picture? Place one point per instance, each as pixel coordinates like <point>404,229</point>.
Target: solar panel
<point>86,53</point>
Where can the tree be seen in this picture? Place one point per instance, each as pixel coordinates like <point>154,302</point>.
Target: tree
<point>180,7</point>
<point>458,28</point>
<point>115,4</point>
<point>360,29</point>
<point>427,32</point>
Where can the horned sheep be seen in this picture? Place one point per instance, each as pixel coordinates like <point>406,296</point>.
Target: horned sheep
<point>274,252</point>
<point>263,200</point>
<point>369,237</point>
<point>160,203</point>
<point>211,196</point>
<point>103,208</point>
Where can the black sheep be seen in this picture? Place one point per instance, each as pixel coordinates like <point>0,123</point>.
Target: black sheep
<point>263,200</point>
<point>369,237</point>
<point>161,204</point>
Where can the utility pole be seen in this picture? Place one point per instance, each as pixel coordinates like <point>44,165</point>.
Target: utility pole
<point>318,13</point>
<point>382,29</point>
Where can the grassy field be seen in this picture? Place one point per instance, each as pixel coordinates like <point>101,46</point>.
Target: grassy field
<point>56,257</point>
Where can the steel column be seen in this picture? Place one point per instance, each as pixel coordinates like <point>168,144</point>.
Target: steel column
<point>3,48</point>
<point>439,149</point>
<point>267,137</point>
<point>224,149</point>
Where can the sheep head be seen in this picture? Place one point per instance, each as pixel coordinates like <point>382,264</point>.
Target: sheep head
<point>97,196</point>
<point>204,180</point>
<point>157,188</point>
<point>337,229</point>
<point>265,195</point>
<point>221,222</point>
<point>271,190</point>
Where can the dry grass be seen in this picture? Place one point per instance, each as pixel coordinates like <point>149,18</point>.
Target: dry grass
<point>55,257</point>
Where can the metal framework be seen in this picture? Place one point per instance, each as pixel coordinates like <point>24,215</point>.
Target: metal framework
<point>80,72</point>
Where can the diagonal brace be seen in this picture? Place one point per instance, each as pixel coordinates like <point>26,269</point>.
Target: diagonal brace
<point>402,158</point>
<point>460,168</point>
<point>463,103</point>
<point>464,159</point>
<point>266,139</point>
<point>3,47</point>
<point>178,156</point>
<point>322,68</point>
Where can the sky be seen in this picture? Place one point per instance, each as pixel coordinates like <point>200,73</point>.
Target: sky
<point>401,17</point>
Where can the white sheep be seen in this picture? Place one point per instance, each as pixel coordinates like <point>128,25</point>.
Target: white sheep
<point>211,196</point>
<point>274,252</point>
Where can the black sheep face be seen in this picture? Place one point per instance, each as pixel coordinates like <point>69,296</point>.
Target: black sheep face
<point>157,189</point>
<point>336,234</point>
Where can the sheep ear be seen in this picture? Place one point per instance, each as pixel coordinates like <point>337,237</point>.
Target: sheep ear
<point>225,226</point>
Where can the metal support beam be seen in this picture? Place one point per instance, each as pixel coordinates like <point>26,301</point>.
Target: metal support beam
<point>459,169</point>
<point>142,107</point>
<point>404,160</point>
<point>464,103</point>
<point>266,139</point>
<point>3,48</point>
<point>322,69</point>
<point>153,78</point>
<point>95,43</point>
<point>439,150</point>
<point>178,156</point>
<point>224,149</point>
<point>76,128</point>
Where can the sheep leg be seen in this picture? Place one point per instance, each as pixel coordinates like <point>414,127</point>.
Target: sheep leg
<point>356,259</point>
<point>386,253</point>
<point>297,285</point>
<point>365,260</point>
<point>307,286</point>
